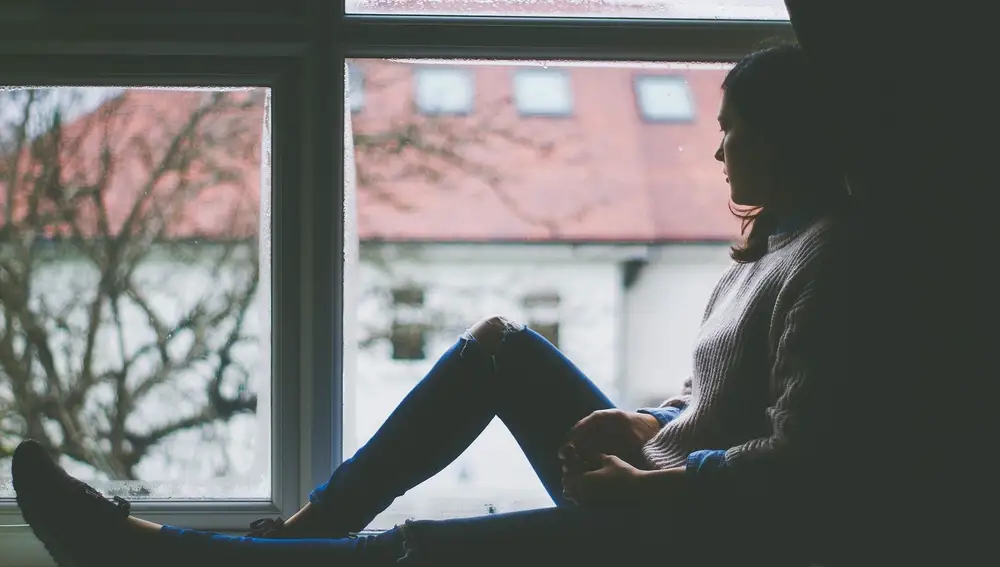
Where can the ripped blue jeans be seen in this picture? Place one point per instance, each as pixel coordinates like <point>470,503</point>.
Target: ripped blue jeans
<point>538,394</point>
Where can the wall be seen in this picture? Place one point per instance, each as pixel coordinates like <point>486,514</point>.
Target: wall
<point>663,312</point>
<point>464,283</point>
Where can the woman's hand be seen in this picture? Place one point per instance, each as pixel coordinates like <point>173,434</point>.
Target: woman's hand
<point>612,482</point>
<point>613,432</point>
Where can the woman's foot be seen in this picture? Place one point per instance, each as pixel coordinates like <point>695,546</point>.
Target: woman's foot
<point>74,522</point>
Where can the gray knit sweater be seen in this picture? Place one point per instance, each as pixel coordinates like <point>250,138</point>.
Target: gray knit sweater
<point>769,351</point>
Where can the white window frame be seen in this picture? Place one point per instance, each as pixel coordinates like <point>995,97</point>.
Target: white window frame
<point>298,49</point>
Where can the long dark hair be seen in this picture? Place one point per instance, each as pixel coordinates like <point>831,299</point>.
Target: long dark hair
<point>776,93</point>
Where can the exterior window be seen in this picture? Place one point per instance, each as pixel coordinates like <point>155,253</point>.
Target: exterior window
<point>408,341</point>
<point>355,87</point>
<point>444,90</point>
<point>543,92</point>
<point>408,328</point>
<point>542,311</point>
<point>664,98</point>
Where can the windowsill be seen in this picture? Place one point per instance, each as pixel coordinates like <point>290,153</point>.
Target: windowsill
<point>21,548</point>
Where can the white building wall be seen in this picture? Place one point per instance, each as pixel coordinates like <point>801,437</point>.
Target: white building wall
<point>663,312</point>
<point>463,284</point>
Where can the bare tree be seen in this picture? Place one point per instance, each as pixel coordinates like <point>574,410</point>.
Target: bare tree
<point>90,207</point>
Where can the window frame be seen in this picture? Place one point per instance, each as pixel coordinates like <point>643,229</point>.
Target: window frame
<point>298,48</point>
<point>408,305</point>
<point>297,277</point>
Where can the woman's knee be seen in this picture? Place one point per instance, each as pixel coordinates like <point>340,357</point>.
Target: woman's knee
<point>490,331</point>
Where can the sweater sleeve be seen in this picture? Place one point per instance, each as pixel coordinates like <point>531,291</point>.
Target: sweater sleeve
<point>663,414</point>
<point>681,401</point>
<point>809,361</point>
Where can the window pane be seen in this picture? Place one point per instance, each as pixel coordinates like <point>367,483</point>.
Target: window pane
<point>603,230</point>
<point>134,324</point>
<point>678,9</point>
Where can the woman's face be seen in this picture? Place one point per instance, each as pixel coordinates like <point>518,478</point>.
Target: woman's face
<point>749,161</point>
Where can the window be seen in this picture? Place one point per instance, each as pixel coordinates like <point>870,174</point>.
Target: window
<point>356,87</point>
<point>543,92</point>
<point>408,328</point>
<point>664,98</point>
<point>157,310</point>
<point>410,296</point>
<point>542,311</point>
<point>407,183</point>
<point>443,90</point>
<point>407,341</point>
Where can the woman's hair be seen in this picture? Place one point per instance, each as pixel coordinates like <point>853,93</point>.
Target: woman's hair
<point>776,92</point>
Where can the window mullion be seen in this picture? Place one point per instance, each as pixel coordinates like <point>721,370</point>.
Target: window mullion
<point>321,231</point>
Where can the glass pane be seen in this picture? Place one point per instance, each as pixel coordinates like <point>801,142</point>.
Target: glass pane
<point>601,229</point>
<point>134,321</point>
<point>677,9</point>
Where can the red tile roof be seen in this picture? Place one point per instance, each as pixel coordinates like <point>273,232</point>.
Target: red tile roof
<point>601,174</point>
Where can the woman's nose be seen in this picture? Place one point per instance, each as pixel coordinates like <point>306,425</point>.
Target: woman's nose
<point>719,155</point>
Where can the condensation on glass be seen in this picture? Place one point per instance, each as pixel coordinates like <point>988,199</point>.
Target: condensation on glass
<point>582,199</point>
<point>134,287</point>
<point>675,9</point>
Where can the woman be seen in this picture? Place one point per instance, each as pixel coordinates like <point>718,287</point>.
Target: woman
<point>742,443</point>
